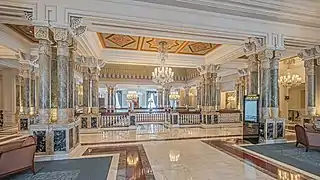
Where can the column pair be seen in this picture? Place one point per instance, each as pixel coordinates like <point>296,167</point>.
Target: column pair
<point>186,96</point>
<point>111,98</point>
<point>311,64</point>
<point>269,91</point>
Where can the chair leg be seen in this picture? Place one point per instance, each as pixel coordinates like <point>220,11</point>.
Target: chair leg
<point>297,143</point>
<point>33,170</point>
<point>307,149</point>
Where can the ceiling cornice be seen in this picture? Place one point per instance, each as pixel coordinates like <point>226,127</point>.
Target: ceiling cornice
<point>149,58</point>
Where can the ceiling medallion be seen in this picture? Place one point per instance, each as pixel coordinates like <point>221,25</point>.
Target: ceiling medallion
<point>162,75</point>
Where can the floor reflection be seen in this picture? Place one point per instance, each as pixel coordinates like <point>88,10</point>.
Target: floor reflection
<point>274,170</point>
<point>133,162</point>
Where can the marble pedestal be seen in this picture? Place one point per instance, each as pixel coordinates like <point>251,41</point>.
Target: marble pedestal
<point>274,130</point>
<point>55,139</point>
<point>90,121</point>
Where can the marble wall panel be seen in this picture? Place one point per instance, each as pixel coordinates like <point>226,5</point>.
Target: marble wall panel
<point>94,122</point>
<point>269,130</point>
<point>41,141</point>
<point>59,140</point>
<point>84,122</point>
<point>24,124</point>
<point>280,130</point>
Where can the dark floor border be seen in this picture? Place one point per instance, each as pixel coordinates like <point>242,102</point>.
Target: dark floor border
<point>125,171</point>
<point>273,169</point>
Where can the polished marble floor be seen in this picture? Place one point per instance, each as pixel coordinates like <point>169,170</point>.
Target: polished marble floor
<point>191,159</point>
<point>152,132</point>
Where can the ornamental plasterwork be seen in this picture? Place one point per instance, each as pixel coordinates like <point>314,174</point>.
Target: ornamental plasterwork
<point>127,42</point>
<point>61,34</point>
<point>120,71</point>
<point>211,68</point>
<point>76,24</point>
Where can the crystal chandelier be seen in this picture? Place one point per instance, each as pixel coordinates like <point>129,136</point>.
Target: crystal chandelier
<point>132,95</point>
<point>162,75</point>
<point>290,79</point>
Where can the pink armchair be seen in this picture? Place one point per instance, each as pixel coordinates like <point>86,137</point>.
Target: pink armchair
<point>17,156</point>
<point>308,136</point>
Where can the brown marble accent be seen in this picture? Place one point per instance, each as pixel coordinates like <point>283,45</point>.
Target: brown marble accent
<point>133,161</point>
<point>273,169</point>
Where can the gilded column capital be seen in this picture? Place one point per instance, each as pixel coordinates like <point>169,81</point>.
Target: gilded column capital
<point>43,33</point>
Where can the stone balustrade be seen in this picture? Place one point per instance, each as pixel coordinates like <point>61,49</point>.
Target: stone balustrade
<point>115,120</point>
<point>151,117</point>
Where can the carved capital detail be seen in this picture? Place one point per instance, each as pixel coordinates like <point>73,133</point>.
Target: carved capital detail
<point>243,72</point>
<point>44,47</point>
<point>41,32</point>
<point>61,34</point>
<point>76,25</point>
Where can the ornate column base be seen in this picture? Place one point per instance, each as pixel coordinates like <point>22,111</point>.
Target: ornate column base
<point>265,113</point>
<point>63,116</point>
<point>274,112</point>
<point>56,138</point>
<point>44,116</point>
<point>274,130</point>
<point>311,111</point>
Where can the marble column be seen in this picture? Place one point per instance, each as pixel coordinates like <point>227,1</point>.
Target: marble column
<point>95,89</point>
<point>166,94</point>
<point>72,100</point>
<point>18,95</point>
<point>160,97</point>
<point>198,95</point>
<point>25,89</point>
<point>274,85</point>
<point>54,81</point>
<point>186,95</point>
<point>111,97</point>
<point>218,94</point>
<point>42,34</point>
<point>86,89</point>
<point>61,37</point>
<point>253,75</point>
<point>33,92</point>
<point>264,57</point>
<point>310,70</point>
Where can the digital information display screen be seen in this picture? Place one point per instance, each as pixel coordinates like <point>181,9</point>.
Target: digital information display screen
<point>251,104</point>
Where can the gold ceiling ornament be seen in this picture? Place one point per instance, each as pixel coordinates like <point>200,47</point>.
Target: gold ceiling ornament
<point>162,75</point>
<point>290,79</point>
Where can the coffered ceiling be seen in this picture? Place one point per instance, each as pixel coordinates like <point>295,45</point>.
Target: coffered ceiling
<point>138,43</point>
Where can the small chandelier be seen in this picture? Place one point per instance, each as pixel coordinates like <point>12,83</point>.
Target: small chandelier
<point>162,75</point>
<point>174,96</point>
<point>132,96</point>
<point>290,79</point>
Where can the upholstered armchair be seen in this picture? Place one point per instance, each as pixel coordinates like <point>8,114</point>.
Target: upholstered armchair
<point>307,136</point>
<point>17,156</point>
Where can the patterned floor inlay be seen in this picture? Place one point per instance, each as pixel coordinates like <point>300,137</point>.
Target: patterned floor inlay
<point>275,170</point>
<point>133,161</point>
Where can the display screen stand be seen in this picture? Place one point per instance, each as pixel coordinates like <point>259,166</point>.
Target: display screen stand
<point>251,118</point>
